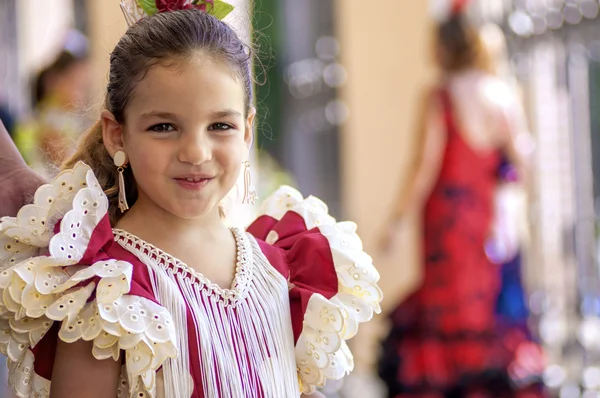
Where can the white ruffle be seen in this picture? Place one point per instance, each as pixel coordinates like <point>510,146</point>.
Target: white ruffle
<point>34,224</point>
<point>29,233</point>
<point>40,284</point>
<point>321,350</point>
<point>23,379</point>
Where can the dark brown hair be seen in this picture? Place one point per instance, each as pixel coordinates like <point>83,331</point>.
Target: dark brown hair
<point>163,38</point>
<point>460,44</point>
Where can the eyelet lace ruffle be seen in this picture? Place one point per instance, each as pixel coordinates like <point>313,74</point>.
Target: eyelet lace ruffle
<point>41,281</point>
<point>321,350</point>
<point>29,233</point>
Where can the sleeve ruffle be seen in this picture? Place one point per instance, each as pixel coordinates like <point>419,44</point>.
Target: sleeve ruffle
<point>49,276</point>
<point>333,283</point>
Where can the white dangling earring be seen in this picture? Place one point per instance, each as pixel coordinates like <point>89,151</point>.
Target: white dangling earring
<point>250,195</point>
<point>120,160</point>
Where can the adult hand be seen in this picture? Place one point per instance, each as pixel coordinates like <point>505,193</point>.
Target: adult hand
<point>17,187</point>
<point>17,181</point>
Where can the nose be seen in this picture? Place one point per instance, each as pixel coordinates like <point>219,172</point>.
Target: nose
<point>194,148</point>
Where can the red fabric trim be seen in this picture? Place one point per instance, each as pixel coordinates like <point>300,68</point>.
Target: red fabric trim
<point>45,351</point>
<point>140,279</point>
<point>276,258</point>
<point>261,227</point>
<point>102,237</point>
<point>306,255</point>
<point>193,341</point>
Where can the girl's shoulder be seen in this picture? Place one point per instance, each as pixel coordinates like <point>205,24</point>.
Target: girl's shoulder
<point>332,281</point>
<point>59,262</point>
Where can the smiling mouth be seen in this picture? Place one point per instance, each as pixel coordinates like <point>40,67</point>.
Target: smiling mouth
<point>193,183</point>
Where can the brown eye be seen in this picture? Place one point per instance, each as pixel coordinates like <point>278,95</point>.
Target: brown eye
<point>220,126</point>
<point>162,128</point>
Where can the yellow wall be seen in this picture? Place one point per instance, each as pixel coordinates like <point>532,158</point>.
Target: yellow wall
<point>107,25</point>
<point>385,48</point>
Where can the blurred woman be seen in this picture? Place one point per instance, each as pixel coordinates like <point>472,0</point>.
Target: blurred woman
<point>445,340</point>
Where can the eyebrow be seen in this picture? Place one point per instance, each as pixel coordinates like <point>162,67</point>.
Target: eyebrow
<point>216,115</point>
<point>225,113</point>
<point>162,115</point>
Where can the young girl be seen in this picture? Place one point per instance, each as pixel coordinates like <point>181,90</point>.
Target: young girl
<point>121,279</point>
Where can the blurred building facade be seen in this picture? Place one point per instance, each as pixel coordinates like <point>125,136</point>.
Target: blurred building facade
<point>554,52</point>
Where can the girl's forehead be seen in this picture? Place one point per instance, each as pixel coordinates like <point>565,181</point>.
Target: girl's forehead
<point>195,69</point>
<point>189,84</point>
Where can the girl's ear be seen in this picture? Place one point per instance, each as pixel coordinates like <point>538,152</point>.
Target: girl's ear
<point>112,133</point>
<point>249,130</point>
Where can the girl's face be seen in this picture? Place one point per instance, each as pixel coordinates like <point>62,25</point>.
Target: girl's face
<point>185,136</point>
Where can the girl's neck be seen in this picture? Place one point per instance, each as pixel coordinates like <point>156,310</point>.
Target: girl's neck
<point>161,228</point>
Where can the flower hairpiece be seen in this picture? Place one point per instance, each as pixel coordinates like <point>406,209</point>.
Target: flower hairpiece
<point>134,10</point>
<point>442,10</point>
<point>459,6</point>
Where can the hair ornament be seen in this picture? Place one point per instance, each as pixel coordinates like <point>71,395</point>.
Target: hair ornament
<point>134,10</point>
<point>459,6</point>
<point>443,10</point>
